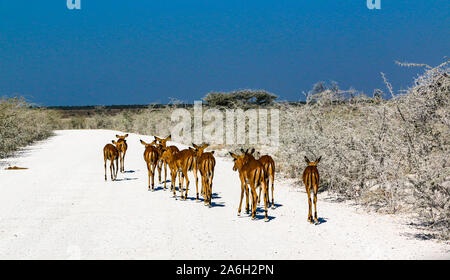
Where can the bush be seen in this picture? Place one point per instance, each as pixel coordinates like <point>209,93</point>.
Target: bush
<point>20,124</point>
<point>240,98</point>
<point>388,154</point>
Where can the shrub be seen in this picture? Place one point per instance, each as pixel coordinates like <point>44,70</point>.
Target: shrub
<point>240,98</point>
<point>20,124</point>
<point>388,154</point>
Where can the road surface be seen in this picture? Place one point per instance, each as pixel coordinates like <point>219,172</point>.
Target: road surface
<point>61,208</point>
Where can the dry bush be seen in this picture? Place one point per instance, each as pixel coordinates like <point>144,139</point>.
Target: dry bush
<point>20,124</point>
<point>389,154</point>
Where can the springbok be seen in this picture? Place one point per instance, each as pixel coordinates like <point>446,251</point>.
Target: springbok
<point>251,172</point>
<point>111,153</point>
<point>151,155</point>
<point>311,181</point>
<point>206,163</point>
<point>180,163</point>
<point>122,147</point>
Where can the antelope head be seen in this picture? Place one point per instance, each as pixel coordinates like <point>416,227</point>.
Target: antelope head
<point>153,143</point>
<point>239,161</point>
<point>313,163</point>
<point>121,138</point>
<point>248,154</point>
<point>163,141</point>
<point>116,143</point>
<point>200,149</point>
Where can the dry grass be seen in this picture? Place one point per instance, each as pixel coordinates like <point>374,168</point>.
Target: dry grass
<point>21,125</point>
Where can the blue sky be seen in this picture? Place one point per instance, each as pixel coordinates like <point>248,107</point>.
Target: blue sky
<point>139,52</point>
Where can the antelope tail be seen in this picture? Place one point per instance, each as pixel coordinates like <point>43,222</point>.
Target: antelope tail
<point>190,163</point>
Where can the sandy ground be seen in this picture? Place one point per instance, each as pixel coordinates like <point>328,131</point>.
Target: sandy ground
<point>61,208</point>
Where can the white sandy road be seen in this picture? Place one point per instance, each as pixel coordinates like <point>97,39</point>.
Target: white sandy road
<point>61,208</point>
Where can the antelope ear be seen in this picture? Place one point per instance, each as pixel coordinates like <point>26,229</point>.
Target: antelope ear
<point>126,135</point>
<point>252,151</point>
<point>232,155</point>
<point>158,139</point>
<point>206,145</point>
<point>143,143</point>
<point>212,152</point>
<point>195,146</point>
<point>318,160</point>
<point>242,151</point>
<point>169,137</point>
<point>117,136</point>
<point>307,160</point>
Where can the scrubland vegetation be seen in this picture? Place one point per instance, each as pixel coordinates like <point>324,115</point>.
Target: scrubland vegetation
<point>20,124</point>
<point>389,152</point>
<point>391,155</point>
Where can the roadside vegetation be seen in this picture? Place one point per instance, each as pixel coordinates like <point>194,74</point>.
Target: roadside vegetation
<point>389,152</point>
<point>21,124</point>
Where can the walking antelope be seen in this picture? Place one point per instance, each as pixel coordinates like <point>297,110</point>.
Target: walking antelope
<point>122,147</point>
<point>311,181</point>
<point>269,168</point>
<point>151,155</point>
<point>206,163</point>
<point>163,158</point>
<point>251,172</point>
<point>180,163</point>
<point>111,153</point>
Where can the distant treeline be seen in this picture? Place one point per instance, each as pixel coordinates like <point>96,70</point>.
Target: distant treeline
<point>141,106</point>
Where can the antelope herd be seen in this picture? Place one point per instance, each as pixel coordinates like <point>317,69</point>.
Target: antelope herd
<point>253,173</point>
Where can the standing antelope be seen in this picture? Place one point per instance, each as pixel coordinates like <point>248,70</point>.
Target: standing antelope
<point>122,147</point>
<point>251,172</point>
<point>206,163</point>
<point>311,180</point>
<point>151,155</point>
<point>111,153</point>
<point>163,158</point>
<point>180,163</point>
<point>269,168</point>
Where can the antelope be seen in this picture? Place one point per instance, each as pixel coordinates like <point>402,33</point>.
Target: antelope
<point>111,153</point>
<point>151,156</point>
<point>163,159</point>
<point>311,181</point>
<point>251,172</point>
<point>122,147</point>
<point>269,168</point>
<point>180,163</point>
<point>206,163</point>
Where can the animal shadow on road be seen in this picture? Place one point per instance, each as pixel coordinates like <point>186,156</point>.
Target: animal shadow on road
<point>261,217</point>
<point>321,221</point>
<point>126,179</point>
<point>129,171</point>
<point>157,188</point>
<point>276,206</point>
<point>213,203</point>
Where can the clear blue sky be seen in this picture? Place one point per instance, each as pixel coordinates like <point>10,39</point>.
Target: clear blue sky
<point>139,52</point>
